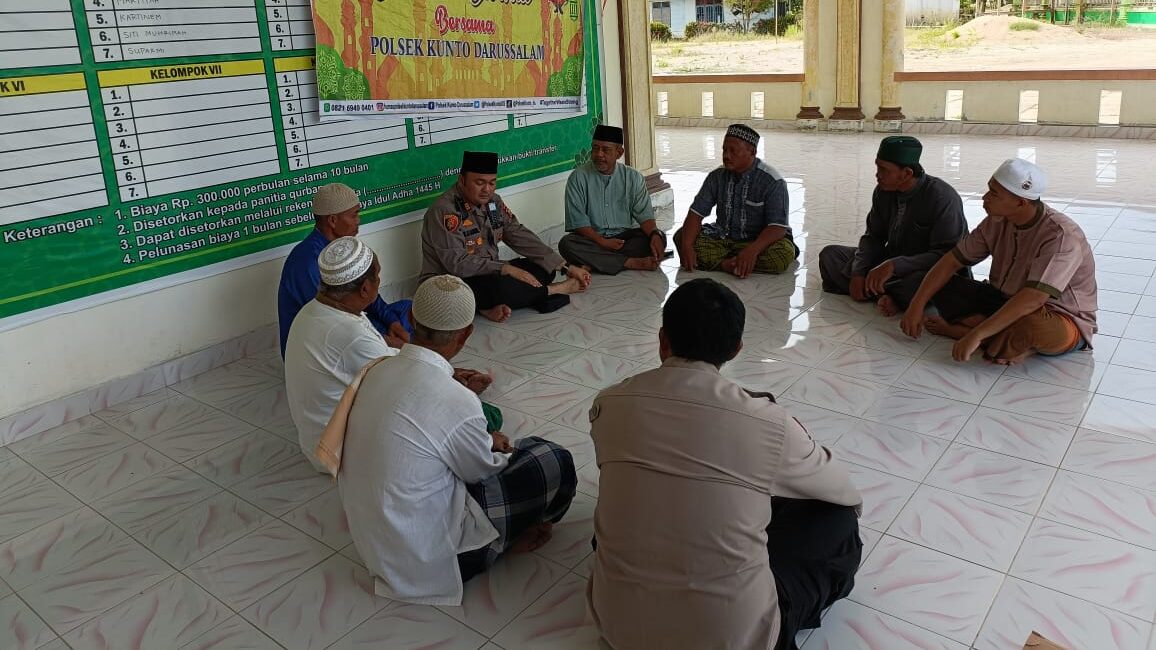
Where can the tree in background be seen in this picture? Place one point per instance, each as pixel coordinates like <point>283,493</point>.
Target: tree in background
<point>967,10</point>
<point>744,9</point>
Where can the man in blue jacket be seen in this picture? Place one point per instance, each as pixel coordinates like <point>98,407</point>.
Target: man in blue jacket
<point>336,209</point>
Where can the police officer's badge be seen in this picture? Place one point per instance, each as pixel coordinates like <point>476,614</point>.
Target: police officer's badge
<point>451,221</point>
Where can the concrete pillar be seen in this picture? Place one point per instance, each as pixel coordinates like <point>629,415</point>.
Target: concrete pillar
<point>847,116</point>
<point>638,107</point>
<point>809,113</point>
<point>637,92</point>
<point>890,116</point>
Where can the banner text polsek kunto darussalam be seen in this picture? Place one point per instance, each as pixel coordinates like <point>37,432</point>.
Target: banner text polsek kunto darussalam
<point>388,46</point>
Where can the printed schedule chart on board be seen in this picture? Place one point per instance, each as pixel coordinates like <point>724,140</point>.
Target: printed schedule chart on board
<point>150,29</point>
<point>144,138</point>
<point>311,142</point>
<point>51,161</point>
<point>210,124</point>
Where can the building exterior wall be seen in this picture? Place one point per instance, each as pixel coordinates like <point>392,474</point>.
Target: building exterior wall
<point>685,11</point>
<point>931,12</point>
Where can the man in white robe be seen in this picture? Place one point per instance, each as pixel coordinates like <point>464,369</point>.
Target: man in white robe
<point>431,497</point>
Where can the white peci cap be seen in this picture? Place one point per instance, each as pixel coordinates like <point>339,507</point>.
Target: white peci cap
<point>334,198</point>
<point>344,260</point>
<point>1022,178</point>
<point>444,303</point>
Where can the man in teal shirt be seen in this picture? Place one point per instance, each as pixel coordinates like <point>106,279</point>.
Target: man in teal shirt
<point>609,217</point>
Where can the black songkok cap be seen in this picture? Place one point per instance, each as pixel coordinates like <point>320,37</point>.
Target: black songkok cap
<point>480,162</point>
<point>605,133</point>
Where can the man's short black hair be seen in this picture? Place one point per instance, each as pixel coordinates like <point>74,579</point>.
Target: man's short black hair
<point>703,321</point>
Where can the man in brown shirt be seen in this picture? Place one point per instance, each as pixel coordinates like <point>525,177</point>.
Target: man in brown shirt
<point>460,237</point>
<point>1041,294</point>
<point>720,522</point>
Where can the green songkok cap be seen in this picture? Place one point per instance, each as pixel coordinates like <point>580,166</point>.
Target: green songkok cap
<point>903,150</point>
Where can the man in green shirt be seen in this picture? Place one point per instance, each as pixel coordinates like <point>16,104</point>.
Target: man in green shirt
<point>609,217</point>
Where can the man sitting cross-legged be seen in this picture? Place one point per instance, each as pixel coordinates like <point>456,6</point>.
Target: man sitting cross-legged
<point>337,213</point>
<point>751,233</point>
<point>460,237</point>
<point>609,217</point>
<point>332,339</point>
<point>1041,294</point>
<point>431,497</point>
<point>720,522</point>
<point>915,218</point>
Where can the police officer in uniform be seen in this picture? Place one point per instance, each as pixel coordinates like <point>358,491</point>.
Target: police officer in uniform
<point>460,237</point>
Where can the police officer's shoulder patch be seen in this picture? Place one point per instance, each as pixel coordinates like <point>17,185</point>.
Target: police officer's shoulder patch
<point>451,222</point>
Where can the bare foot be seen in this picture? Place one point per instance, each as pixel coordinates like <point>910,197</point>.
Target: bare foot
<point>727,265</point>
<point>887,306</point>
<point>566,287</point>
<point>533,538</point>
<point>1010,361</point>
<point>641,264</point>
<point>937,325</point>
<point>497,313</point>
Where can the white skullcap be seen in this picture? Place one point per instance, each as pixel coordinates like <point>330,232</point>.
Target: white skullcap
<point>1022,178</point>
<point>334,198</point>
<point>344,260</point>
<point>444,303</point>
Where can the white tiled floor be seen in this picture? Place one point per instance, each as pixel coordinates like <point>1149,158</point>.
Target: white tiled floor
<point>997,501</point>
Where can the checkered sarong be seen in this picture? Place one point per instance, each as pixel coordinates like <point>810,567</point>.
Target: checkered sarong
<point>538,485</point>
<point>711,252</point>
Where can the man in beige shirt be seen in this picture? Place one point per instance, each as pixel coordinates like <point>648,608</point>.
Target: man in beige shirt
<point>720,522</point>
<point>1041,294</point>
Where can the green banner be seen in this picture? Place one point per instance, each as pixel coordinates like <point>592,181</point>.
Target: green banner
<point>144,138</point>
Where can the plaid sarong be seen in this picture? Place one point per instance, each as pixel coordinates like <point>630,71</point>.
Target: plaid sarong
<point>537,486</point>
<point>776,259</point>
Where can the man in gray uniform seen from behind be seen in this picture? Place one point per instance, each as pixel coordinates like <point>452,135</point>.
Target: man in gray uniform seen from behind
<point>914,220</point>
<point>609,217</point>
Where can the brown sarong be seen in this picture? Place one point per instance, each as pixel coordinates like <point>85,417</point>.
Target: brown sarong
<point>1044,331</point>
